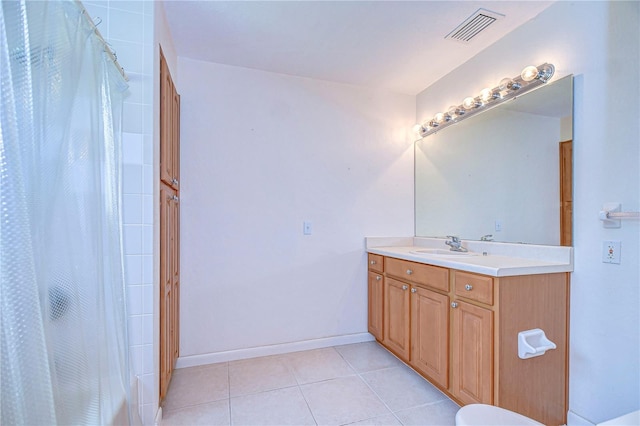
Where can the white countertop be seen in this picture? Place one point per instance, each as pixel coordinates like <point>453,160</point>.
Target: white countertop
<point>501,259</point>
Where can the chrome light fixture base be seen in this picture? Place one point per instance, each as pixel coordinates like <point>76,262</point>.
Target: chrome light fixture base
<point>508,88</point>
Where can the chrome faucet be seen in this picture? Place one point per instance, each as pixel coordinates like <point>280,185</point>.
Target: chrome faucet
<point>455,244</point>
<point>487,237</point>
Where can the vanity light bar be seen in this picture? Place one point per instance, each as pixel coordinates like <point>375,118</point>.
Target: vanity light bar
<point>508,88</point>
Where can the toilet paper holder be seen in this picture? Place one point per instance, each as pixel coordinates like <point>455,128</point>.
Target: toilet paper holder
<point>532,343</point>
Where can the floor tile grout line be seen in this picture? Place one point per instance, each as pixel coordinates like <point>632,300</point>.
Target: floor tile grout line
<point>263,391</point>
<point>380,398</point>
<point>359,374</point>
<point>190,406</point>
<point>308,406</point>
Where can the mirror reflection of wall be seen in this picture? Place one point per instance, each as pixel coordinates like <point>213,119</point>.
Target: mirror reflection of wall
<point>498,172</point>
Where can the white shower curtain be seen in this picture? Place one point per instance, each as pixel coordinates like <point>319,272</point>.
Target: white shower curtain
<point>63,354</point>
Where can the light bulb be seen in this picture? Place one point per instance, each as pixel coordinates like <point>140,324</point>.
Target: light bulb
<point>529,73</point>
<point>508,84</point>
<point>439,118</point>
<point>417,129</point>
<point>486,95</point>
<point>454,111</point>
<point>469,103</point>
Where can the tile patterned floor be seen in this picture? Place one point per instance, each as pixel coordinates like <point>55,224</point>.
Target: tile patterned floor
<point>359,384</point>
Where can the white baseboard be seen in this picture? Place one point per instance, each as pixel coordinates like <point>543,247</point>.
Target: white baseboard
<point>575,420</point>
<point>234,355</point>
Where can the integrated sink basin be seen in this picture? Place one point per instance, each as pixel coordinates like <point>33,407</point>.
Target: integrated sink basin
<point>443,253</point>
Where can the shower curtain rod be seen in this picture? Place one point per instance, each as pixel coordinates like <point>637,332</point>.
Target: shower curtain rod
<point>107,49</point>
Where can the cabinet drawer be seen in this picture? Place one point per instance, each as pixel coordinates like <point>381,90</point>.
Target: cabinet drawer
<point>376,262</point>
<point>431,276</point>
<point>473,287</point>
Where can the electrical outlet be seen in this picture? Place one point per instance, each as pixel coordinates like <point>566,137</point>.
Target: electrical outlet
<point>498,226</point>
<point>611,252</point>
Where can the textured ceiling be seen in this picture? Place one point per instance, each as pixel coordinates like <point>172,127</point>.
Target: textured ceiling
<point>393,45</point>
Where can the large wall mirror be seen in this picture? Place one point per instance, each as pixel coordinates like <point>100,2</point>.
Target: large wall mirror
<point>505,172</point>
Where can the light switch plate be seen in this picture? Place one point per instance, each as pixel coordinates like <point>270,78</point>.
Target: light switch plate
<point>307,227</point>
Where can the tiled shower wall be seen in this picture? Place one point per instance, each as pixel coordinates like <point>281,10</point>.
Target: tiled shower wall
<point>128,27</point>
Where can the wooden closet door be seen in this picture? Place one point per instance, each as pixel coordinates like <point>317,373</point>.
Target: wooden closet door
<point>169,128</point>
<point>169,226</point>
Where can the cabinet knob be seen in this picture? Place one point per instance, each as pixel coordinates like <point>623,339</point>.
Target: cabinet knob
<point>372,262</point>
<point>378,277</point>
<point>414,290</point>
<point>468,287</point>
<point>404,287</point>
<point>409,272</point>
<point>174,181</point>
<point>173,198</point>
<point>454,304</point>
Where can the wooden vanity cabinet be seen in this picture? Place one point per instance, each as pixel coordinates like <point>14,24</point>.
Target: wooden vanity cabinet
<point>376,263</point>
<point>478,288</point>
<point>418,273</point>
<point>430,334</point>
<point>472,353</point>
<point>536,387</point>
<point>472,338</point>
<point>420,318</point>
<point>460,331</point>
<point>397,317</point>
<point>376,296</point>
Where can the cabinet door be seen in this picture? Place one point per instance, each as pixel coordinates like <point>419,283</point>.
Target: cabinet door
<point>169,284</point>
<point>376,305</point>
<point>175,139</point>
<point>376,262</point>
<point>167,202</point>
<point>174,249</point>
<point>396,317</point>
<point>566,192</point>
<point>169,127</point>
<point>472,353</point>
<point>430,334</point>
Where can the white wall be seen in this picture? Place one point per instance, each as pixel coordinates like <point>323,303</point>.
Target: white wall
<point>599,43</point>
<point>261,153</point>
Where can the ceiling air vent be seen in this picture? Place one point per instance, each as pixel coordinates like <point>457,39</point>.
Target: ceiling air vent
<point>474,25</point>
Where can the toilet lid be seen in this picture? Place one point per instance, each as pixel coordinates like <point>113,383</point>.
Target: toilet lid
<point>482,415</point>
